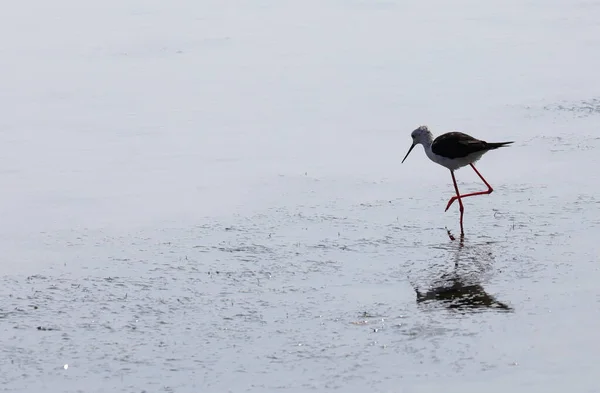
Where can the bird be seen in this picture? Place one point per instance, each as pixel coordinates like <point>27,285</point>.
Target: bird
<point>454,150</point>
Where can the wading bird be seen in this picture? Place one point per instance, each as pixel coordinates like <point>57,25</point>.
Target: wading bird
<point>454,150</point>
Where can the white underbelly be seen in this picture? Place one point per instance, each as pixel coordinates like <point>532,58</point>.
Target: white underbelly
<point>455,163</point>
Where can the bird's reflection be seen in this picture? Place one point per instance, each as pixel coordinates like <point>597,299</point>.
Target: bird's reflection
<point>461,288</point>
<point>457,294</point>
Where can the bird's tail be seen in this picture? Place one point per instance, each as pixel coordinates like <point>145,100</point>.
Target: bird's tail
<point>495,145</point>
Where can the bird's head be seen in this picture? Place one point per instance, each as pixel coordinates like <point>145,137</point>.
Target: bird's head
<point>419,136</point>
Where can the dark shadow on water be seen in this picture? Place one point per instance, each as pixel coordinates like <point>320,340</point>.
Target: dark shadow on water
<point>461,289</point>
<point>456,294</point>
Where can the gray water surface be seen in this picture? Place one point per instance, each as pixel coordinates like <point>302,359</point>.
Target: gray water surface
<point>208,197</point>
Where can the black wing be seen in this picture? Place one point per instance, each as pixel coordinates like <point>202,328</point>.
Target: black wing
<point>457,145</point>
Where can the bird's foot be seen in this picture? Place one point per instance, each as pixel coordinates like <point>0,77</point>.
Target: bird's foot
<point>450,202</point>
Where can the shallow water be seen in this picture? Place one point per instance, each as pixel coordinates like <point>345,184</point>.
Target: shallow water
<point>210,198</point>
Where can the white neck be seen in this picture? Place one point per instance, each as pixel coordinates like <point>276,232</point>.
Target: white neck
<point>426,140</point>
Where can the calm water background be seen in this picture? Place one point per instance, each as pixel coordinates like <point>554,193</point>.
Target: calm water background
<point>208,196</point>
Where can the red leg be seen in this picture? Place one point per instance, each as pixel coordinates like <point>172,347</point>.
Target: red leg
<point>460,204</point>
<point>489,190</point>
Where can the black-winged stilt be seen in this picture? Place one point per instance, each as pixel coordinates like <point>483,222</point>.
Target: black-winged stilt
<point>454,150</point>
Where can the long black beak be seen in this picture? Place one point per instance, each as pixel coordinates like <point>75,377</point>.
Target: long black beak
<point>409,150</point>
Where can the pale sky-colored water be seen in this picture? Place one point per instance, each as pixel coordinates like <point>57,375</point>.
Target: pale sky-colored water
<point>209,197</point>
